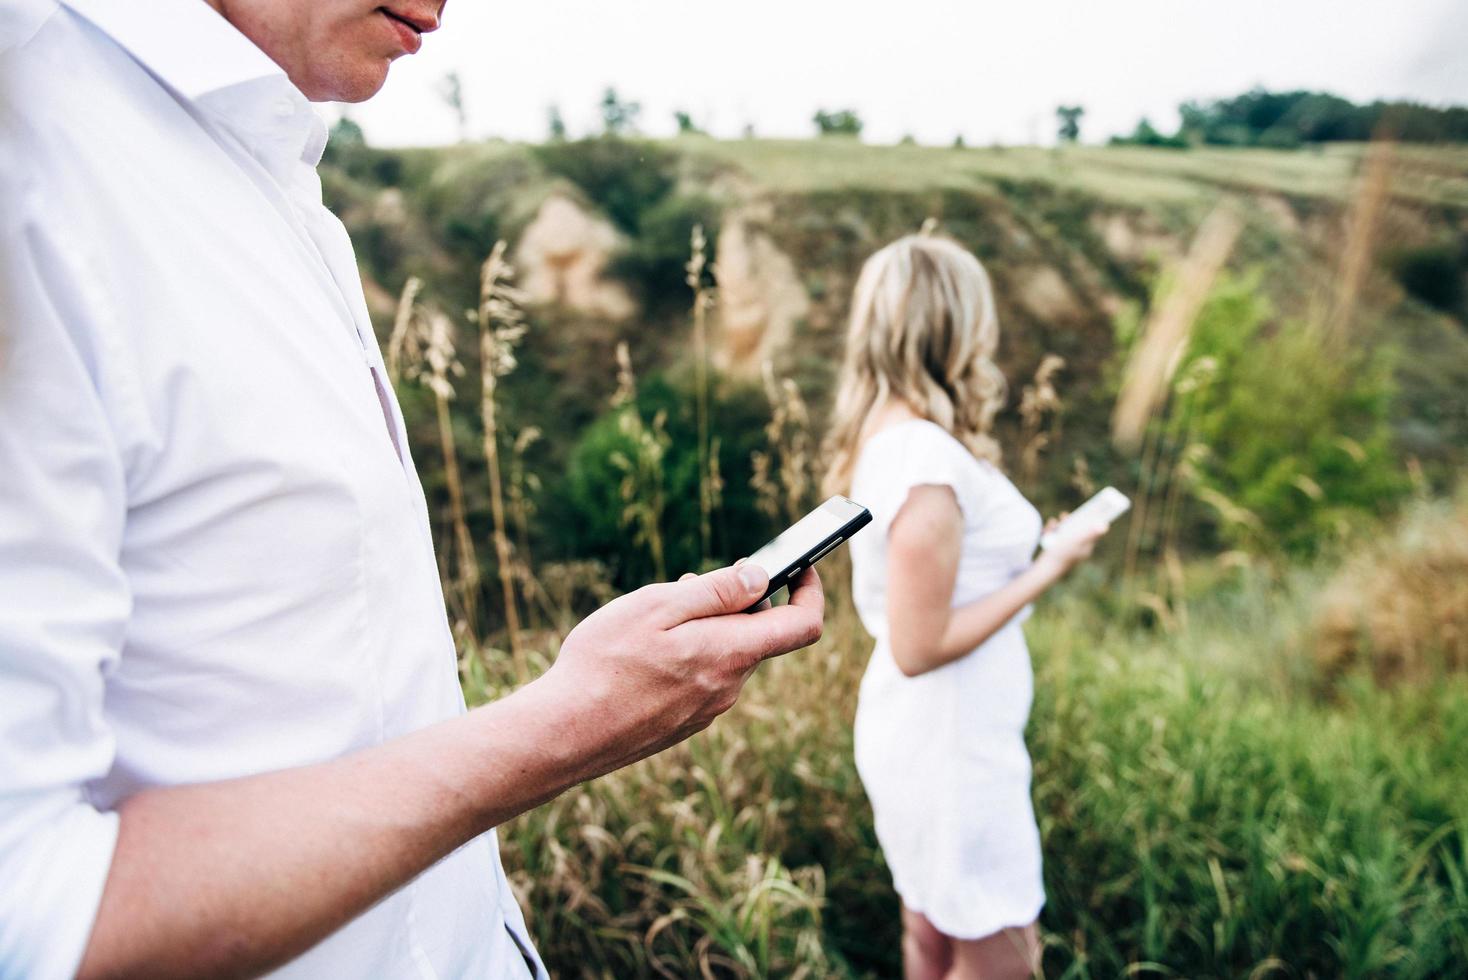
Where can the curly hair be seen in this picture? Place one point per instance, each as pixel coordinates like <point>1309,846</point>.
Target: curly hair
<point>923,332</point>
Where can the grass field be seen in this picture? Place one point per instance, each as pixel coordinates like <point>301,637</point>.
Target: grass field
<point>1131,175</point>
<point>1221,792</point>
<point>1208,809</point>
<point>1120,174</point>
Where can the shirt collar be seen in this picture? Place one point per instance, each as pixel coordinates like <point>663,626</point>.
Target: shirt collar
<point>189,47</point>
<point>19,19</point>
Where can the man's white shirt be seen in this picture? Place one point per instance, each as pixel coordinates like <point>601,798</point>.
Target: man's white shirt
<point>214,559</point>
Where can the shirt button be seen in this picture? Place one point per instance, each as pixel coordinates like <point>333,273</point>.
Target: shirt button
<point>285,108</point>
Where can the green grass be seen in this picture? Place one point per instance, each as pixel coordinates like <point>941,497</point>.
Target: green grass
<point>1125,175</point>
<point>1206,812</point>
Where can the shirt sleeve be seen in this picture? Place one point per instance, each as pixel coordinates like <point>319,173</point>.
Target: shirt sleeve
<point>913,456</point>
<point>64,601</point>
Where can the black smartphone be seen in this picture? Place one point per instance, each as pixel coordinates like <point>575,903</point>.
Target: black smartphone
<point>809,540</point>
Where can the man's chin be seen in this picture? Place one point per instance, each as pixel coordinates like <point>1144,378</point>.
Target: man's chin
<point>357,85</point>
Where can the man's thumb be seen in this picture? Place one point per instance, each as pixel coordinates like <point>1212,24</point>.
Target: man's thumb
<point>718,593</point>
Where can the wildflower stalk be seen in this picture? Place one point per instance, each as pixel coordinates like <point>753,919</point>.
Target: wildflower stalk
<point>442,363</point>
<point>702,300</point>
<point>402,342</point>
<point>643,497</point>
<point>1038,402</point>
<point>501,326</point>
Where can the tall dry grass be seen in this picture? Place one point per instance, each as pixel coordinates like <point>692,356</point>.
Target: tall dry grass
<point>703,300</point>
<point>1146,396</point>
<point>422,347</point>
<point>501,326</point>
<point>1399,608</point>
<point>786,473</point>
<point>643,488</point>
<point>1040,408</point>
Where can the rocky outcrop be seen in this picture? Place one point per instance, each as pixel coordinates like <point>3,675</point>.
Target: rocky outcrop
<point>563,256</point>
<point>1046,294</point>
<point>1133,238</point>
<point>761,297</point>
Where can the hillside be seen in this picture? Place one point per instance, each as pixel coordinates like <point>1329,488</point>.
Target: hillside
<point>1076,240</point>
<point>1248,711</point>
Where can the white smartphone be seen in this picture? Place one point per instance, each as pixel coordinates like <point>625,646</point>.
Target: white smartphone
<point>808,540</point>
<point>1106,506</point>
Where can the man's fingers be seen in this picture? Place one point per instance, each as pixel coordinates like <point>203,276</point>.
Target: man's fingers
<point>807,592</point>
<point>767,633</point>
<point>717,593</point>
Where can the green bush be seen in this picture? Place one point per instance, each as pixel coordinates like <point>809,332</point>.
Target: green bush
<point>625,178</point>
<point>654,263</point>
<point>840,122</point>
<point>1295,430</point>
<point>594,505</point>
<point>1434,274</point>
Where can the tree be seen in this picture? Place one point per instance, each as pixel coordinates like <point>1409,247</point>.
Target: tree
<point>618,117</point>
<point>1069,119</point>
<point>451,90</point>
<point>842,122</point>
<point>685,122</point>
<point>1147,135</point>
<point>345,134</point>
<point>555,124</point>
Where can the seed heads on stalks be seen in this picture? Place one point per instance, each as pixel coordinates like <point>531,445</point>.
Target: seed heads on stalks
<point>702,300</point>
<point>501,326</point>
<point>1039,402</point>
<point>641,489</point>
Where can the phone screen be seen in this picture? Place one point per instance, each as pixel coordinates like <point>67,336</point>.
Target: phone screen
<point>799,538</point>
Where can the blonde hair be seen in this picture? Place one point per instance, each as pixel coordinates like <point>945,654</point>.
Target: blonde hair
<point>923,332</point>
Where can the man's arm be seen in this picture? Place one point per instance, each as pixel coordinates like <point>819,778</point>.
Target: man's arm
<point>236,877</point>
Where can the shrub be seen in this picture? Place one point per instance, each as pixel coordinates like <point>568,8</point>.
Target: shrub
<point>594,503</point>
<point>1433,274</point>
<point>842,122</point>
<point>1295,435</point>
<point>1148,135</point>
<point>654,262</point>
<point>625,178</point>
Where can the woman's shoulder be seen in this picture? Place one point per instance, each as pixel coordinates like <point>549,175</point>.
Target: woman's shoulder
<point>909,453</point>
<point>905,433</point>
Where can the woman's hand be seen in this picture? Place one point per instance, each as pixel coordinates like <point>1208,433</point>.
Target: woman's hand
<point>1057,560</point>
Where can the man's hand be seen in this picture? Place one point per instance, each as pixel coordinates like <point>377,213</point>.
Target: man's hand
<point>656,665</point>
<point>278,861</point>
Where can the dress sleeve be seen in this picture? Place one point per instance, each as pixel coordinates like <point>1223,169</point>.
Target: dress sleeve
<point>64,605</point>
<point>912,456</point>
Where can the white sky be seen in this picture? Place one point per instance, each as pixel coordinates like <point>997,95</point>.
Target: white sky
<point>932,68</point>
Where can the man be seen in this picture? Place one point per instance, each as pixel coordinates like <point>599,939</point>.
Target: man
<point>231,736</point>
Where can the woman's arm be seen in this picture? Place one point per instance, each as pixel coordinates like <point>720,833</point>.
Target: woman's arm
<point>923,550</point>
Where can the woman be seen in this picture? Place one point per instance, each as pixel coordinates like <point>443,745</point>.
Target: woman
<point>943,580</point>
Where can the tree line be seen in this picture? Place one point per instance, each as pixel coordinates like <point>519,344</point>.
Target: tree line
<point>1288,119</point>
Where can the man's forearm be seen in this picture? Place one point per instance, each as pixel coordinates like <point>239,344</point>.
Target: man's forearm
<point>235,877</point>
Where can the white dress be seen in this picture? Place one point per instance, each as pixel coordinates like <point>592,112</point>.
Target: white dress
<point>942,755</point>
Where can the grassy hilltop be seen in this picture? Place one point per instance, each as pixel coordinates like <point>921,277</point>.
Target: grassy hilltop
<point>1249,710</point>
